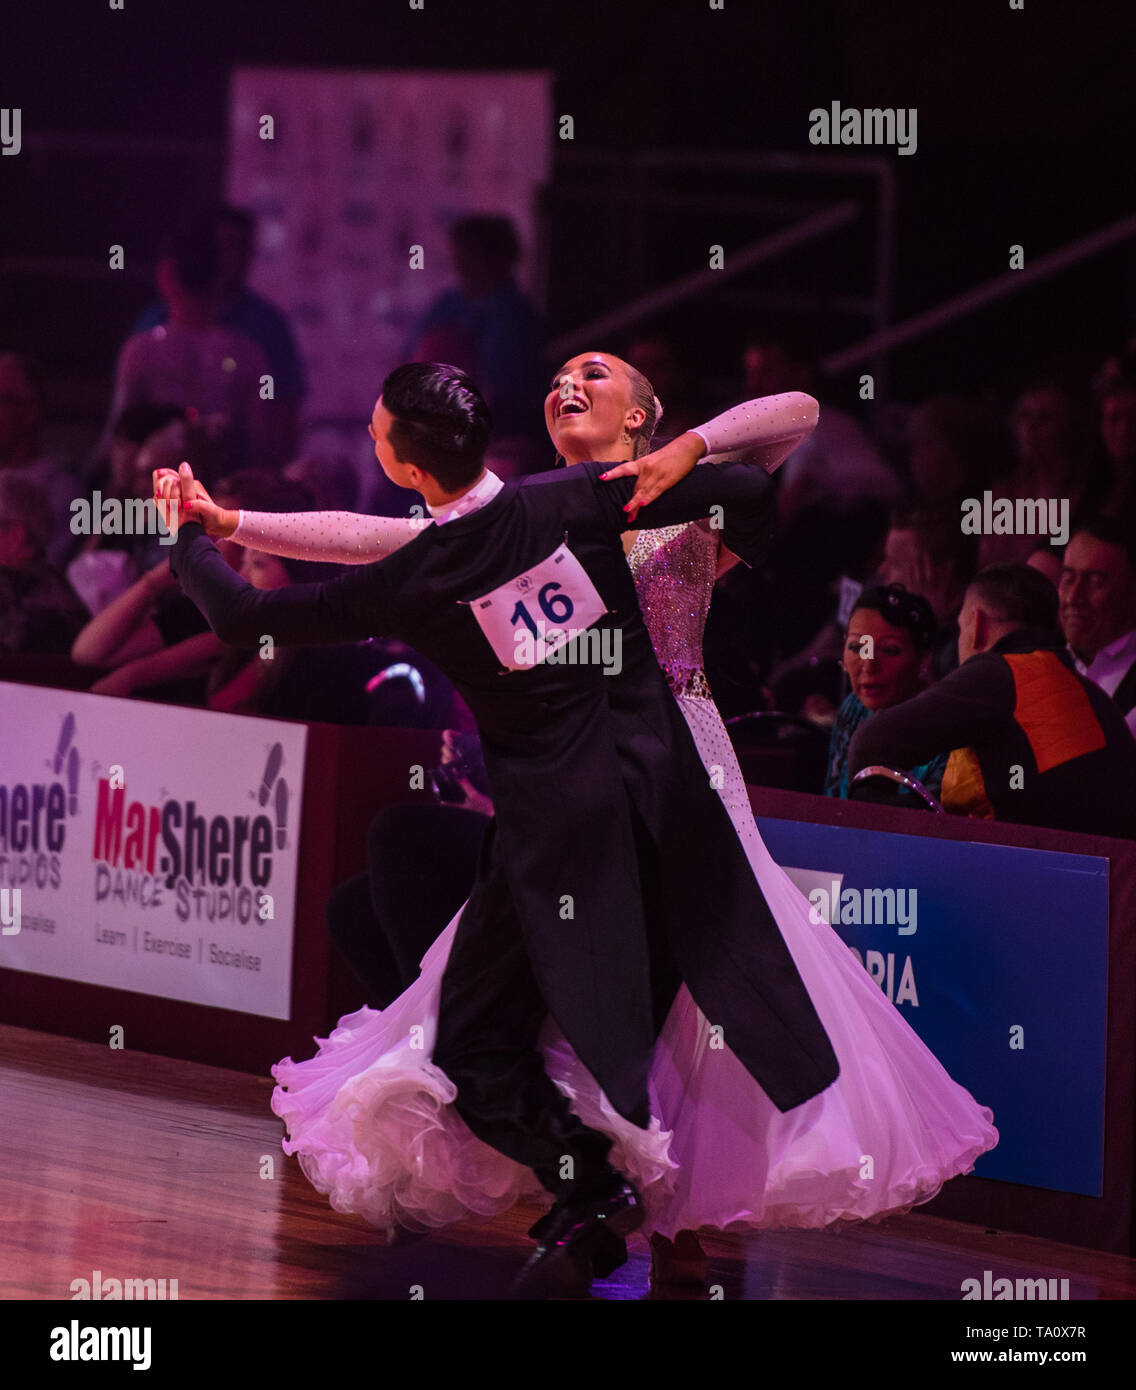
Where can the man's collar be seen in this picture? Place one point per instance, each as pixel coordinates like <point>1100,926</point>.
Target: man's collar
<point>484,490</point>
<point>1118,647</point>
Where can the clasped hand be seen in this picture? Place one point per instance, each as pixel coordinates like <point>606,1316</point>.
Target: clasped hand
<point>180,495</point>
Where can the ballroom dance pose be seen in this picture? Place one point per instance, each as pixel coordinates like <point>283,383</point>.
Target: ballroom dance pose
<point>368,1116</point>
<point>583,908</point>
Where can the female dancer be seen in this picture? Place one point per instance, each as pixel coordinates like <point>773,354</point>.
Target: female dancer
<point>370,1116</point>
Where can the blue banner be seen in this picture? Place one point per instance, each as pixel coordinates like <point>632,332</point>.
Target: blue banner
<point>998,959</point>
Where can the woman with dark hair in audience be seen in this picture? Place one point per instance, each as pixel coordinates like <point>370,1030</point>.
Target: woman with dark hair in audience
<point>887,654</point>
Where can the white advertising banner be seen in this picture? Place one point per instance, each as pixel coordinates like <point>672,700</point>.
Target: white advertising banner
<point>149,848</point>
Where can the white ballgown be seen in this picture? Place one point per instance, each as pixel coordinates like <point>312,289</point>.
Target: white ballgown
<point>371,1117</point>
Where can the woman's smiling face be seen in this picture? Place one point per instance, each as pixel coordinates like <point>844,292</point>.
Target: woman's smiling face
<point>588,407</point>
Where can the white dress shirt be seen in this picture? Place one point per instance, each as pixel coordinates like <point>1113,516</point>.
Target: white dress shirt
<point>1109,667</point>
<point>484,490</point>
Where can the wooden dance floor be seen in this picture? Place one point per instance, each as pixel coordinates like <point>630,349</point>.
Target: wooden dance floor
<point>143,1167</point>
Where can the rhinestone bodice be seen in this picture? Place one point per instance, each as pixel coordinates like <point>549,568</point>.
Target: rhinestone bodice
<point>674,569</point>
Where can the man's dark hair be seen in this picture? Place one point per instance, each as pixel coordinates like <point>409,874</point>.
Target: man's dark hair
<point>193,250</point>
<point>492,239</point>
<point>1112,531</point>
<point>1017,594</point>
<point>441,422</point>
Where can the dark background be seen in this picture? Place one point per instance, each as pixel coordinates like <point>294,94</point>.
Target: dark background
<point>1024,135</point>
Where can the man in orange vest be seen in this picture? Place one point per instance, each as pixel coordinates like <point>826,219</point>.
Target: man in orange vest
<point>1031,741</point>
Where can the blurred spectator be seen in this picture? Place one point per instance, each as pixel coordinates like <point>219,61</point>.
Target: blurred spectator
<point>516,457</point>
<point>957,446</point>
<point>1118,435</point>
<point>1046,559</point>
<point>655,356</point>
<point>114,474</point>
<point>1097,591</point>
<point>108,562</point>
<point>333,685</point>
<point>489,326</point>
<point>927,553</point>
<point>332,481</point>
<point>819,567</point>
<point>1030,740</point>
<point>250,314</point>
<point>887,657</point>
<point>21,455</point>
<point>39,611</point>
<point>838,463</point>
<point>195,361</point>
<point>151,637</point>
<point>1052,461</point>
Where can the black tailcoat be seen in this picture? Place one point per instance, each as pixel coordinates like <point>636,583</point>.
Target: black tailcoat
<point>568,750</point>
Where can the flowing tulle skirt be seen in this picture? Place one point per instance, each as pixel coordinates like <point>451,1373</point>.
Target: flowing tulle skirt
<point>372,1119</point>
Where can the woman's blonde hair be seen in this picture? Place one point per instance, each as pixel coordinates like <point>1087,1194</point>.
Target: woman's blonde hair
<point>643,395</point>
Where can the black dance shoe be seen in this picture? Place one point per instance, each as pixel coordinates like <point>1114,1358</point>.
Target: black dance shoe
<point>581,1239</point>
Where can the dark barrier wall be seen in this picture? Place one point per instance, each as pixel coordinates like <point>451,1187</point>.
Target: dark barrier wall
<point>1106,1222</point>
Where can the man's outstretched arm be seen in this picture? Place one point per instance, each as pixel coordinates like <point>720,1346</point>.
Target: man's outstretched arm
<point>348,608</point>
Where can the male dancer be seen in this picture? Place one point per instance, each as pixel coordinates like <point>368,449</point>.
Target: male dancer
<point>612,872</point>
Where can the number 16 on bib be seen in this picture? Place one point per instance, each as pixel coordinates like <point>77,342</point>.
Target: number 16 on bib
<point>539,611</point>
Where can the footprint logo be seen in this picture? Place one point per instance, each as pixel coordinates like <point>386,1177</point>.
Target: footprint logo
<point>73,780</point>
<point>66,734</point>
<point>281,813</point>
<point>271,773</point>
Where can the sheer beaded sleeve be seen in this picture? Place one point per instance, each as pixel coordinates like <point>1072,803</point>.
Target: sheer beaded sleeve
<point>763,431</point>
<point>347,538</point>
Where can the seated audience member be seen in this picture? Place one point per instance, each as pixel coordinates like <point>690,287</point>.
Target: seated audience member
<point>838,460</point>
<point>674,383</point>
<point>22,455</point>
<point>1118,436</point>
<point>1050,463</point>
<point>887,652</point>
<point>39,611</point>
<point>113,475</point>
<point>1047,560</point>
<point>331,479</point>
<point>489,326</point>
<point>109,561</point>
<point>195,361</point>
<point>1030,740</point>
<point>927,553</point>
<point>151,637</point>
<point>1097,590</point>
<point>956,446</point>
<point>817,569</point>
<point>293,683</point>
<point>247,312</point>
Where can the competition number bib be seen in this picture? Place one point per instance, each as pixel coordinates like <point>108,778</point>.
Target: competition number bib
<point>539,611</point>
